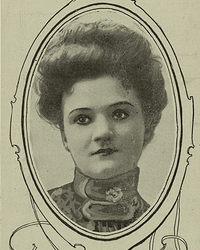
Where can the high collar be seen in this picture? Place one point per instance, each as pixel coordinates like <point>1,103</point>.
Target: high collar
<point>96,189</point>
<point>111,199</point>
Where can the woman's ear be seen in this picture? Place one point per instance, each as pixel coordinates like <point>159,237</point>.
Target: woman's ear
<point>64,140</point>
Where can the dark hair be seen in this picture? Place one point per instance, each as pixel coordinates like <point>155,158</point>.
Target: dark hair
<point>96,49</point>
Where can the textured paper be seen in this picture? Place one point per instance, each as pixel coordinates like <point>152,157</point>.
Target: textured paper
<point>21,22</point>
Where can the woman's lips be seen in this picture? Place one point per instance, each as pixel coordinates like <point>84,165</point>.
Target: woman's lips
<point>105,151</point>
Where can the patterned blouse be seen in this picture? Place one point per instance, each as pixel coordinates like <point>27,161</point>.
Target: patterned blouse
<point>101,205</point>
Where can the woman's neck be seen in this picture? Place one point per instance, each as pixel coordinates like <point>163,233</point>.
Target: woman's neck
<point>96,189</point>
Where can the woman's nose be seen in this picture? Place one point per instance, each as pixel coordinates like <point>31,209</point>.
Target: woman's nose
<point>103,130</point>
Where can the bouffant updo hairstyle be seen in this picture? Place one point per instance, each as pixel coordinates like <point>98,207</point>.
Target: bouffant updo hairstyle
<point>95,49</point>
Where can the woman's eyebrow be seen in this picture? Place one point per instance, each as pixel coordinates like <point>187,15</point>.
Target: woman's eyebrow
<point>79,109</point>
<point>111,105</point>
<point>121,103</point>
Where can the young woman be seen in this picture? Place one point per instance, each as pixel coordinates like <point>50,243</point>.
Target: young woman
<point>102,86</point>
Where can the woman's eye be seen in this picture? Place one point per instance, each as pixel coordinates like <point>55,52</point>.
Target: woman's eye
<point>120,114</point>
<point>82,120</point>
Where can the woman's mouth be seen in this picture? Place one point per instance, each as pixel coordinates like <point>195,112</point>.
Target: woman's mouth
<point>105,151</point>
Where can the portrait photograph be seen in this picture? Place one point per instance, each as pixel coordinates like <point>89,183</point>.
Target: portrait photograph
<point>103,129</point>
<point>100,102</point>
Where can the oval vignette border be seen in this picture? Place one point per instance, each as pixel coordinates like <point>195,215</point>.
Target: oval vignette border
<point>180,96</point>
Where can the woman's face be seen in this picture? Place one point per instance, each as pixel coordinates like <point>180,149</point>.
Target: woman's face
<point>103,127</point>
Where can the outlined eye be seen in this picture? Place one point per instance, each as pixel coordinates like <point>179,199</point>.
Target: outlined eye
<point>82,120</point>
<point>120,114</point>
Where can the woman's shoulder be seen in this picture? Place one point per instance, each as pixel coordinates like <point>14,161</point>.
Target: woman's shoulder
<point>67,201</point>
<point>62,191</point>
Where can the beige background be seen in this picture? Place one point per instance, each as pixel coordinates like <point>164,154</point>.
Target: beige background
<point>21,22</point>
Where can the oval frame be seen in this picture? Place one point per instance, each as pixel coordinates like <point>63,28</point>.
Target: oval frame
<point>145,226</point>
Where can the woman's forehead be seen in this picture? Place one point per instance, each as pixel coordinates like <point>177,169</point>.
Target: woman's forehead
<point>98,92</point>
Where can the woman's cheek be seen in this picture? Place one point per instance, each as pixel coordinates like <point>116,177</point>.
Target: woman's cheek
<point>83,137</point>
